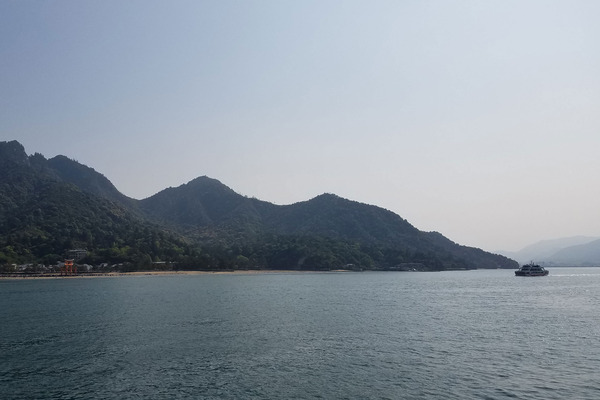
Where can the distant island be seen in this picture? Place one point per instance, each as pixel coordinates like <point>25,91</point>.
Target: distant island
<point>581,251</point>
<point>56,209</point>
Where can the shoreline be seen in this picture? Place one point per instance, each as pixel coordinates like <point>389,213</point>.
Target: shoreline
<point>159,273</point>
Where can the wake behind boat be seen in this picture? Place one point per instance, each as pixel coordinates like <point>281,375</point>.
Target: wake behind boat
<point>531,269</point>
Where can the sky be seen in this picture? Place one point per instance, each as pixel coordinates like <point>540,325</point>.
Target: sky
<point>476,119</point>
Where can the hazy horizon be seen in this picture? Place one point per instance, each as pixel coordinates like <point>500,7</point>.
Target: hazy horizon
<point>474,119</point>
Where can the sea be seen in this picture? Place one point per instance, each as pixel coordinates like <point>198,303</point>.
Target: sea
<point>482,334</point>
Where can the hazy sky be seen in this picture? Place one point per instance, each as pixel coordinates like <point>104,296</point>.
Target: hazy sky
<point>477,119</point>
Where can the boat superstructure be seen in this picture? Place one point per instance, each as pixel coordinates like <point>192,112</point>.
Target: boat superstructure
<point>531,269</point>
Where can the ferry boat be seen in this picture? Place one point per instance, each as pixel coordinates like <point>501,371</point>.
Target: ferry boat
<point>531,269</point>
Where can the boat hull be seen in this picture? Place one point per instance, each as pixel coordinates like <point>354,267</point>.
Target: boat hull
<point>521,273</point>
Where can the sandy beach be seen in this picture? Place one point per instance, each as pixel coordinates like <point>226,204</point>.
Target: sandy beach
<point>156,273</point>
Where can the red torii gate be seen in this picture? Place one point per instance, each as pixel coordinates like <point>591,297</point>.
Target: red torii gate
<point>69,268</point>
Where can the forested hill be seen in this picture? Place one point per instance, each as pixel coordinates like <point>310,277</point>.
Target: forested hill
<point>48,207</point>
<point>44,213</point>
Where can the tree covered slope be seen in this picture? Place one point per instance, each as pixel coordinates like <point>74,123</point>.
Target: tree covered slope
<point>50,206</point>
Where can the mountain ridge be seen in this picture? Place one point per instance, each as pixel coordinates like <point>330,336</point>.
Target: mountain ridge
<point>205,224</point>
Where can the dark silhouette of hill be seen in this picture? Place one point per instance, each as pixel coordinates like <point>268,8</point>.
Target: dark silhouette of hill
<point>42,215</point>
<point>201,202</point>
<point>87,179</point>
<point>50,206</point>
<point>336,217</point>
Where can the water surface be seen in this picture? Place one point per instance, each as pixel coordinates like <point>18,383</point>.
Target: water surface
<point>387,335</point>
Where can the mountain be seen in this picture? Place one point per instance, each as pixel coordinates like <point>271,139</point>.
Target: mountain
<point>568,251</point>
<point>587,254</point>
<point>48,207</point>
<point>336,217</point>
<point>201,202</point>
<point>366,235</point>
<point>44,213</point>
<point>88,180</point>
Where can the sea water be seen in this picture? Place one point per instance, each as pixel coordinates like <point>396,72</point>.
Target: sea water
<point>482,334</point>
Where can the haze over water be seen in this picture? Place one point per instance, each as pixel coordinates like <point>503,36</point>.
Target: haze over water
<point>468,335</point>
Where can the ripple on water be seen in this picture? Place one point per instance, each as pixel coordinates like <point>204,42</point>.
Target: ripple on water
<point>467,335</point>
